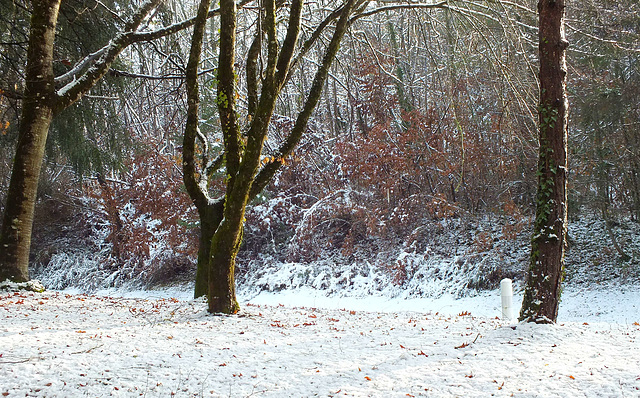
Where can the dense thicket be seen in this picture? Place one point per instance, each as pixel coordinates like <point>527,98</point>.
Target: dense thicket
<point>426,115</point>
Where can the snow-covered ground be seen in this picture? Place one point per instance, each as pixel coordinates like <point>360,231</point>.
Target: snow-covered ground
<point>58,344</point>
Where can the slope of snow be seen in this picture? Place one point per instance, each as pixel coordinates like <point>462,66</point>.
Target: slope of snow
<point>56,344</point>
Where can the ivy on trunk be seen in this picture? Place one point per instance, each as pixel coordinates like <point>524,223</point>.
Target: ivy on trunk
<point>542,291</point>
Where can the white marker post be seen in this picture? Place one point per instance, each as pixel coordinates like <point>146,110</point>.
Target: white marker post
<point>506,292</point>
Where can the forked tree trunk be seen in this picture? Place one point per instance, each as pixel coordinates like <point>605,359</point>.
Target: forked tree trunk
<point>222,229</point>
<point>542,291</point>
<point>37,113</point>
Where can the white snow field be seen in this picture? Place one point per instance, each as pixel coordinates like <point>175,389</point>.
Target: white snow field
<point>56,344</point>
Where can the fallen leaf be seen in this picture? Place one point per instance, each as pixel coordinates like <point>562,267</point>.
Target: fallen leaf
<point>368,378</point>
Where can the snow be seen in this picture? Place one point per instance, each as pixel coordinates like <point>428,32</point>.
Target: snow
<point>60,344</point>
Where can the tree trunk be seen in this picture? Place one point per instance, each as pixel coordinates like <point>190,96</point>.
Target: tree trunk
<point>37,113</point>
<point>40,104</point>
<point>542,292</point>
<point>210,218</point>
<point>224,250</point>
<point>242,159</point>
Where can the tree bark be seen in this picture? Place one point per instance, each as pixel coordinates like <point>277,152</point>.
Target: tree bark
<point>222,227</point>
<point>542,291</point>
<point>40,105</point>
<point>37,113</point>
<point>210,218</point>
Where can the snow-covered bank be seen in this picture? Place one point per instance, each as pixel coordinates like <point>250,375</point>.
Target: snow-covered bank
<point>62,345</point>
<point>607,303</point>
<point>613,304</point>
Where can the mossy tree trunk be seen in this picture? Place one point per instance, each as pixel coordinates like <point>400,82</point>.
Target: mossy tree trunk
<point>242,160</point>
<point>42,102</point>
<point>542,291</point>
<point>210,217</point>
<point>37,113</point>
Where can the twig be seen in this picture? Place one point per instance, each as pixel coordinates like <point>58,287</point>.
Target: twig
<point>20,361</point>
<point>87,351</point>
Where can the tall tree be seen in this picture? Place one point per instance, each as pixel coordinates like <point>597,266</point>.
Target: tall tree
<point>222,219</point>
<point>247,167</point>
<point>42,101</point>
<point>37,113</point>
<point>542,291</point>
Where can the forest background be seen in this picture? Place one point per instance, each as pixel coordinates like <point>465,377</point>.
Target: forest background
<point>418,164</point>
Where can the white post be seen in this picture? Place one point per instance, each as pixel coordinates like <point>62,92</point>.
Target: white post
<point>506,293</point>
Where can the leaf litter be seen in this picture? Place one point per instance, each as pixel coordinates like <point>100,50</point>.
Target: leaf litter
<point>56,344</point>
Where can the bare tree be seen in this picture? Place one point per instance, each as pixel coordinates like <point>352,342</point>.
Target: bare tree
<point>268,63</point>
